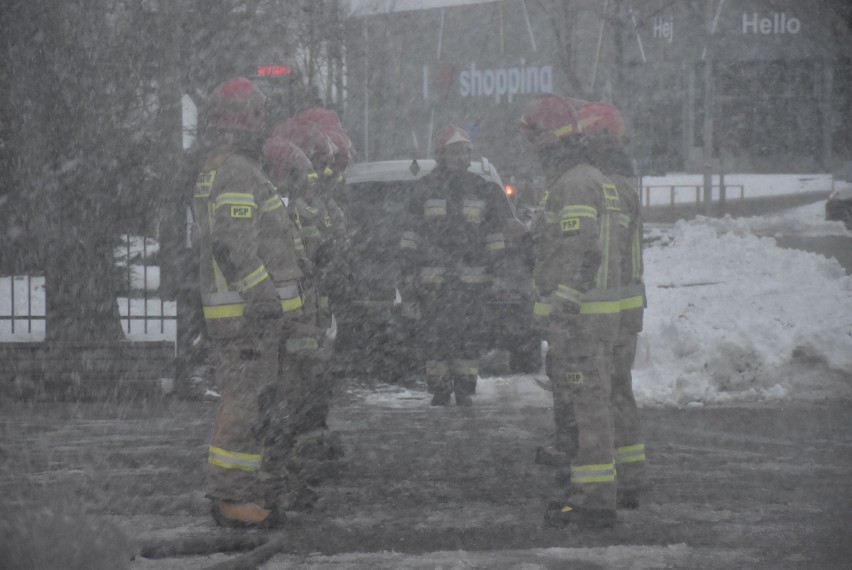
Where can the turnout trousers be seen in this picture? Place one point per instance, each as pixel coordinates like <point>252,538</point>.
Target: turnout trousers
<point>579,373</point>
<point>629,447</point>
<point>247,366</point>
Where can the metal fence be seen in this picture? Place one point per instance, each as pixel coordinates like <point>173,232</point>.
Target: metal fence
<point>144,314</point>
<point>675,191</point>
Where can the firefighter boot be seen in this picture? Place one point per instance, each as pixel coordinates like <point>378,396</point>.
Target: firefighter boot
<point>245,515</point>
<point>560,514</point>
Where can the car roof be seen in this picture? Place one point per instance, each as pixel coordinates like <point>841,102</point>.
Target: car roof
<point>404,170</point>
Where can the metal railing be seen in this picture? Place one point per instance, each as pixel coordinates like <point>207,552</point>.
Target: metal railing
<point>13,316</point>
<point>674,189</point>
<point>142,311</point>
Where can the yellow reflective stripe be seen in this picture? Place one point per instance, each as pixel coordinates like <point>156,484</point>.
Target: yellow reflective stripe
<point>630,453</point>
<point>579,211</point>
<point>328,171</point>
<point>542,309</point>
<point>465,368</point>
<point>562,131</point>
<point>635,302</point>
<point>271,204</point>
<point>224,311</point>
<point>603,271</point>
<point>624,220</point>
<point>204,184</point>
<point>604,473</point>
<point>434,275</point>
<point>568,293</point>
<point>600,307</point>
<point>252,279</point>
<point>301,344</point>
<point>310,232</point>
<point>233,459</point>
<point>322,302</point>
<point>219,278</point>
<point>637,256</point>
<point>437,368</point>
<point>298,243</point>
<point>291,304</point>
<point>472,210</point>
<point>495,242</point>
<point>435,207</point>
<point>235,199</point>
<point>313,176</point>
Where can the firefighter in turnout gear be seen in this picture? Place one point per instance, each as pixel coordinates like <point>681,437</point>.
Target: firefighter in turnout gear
<point>604,126</point>
<point>249,281</point>
<point>577,282</point>
<point>452,244</point>
<point>293,174</point>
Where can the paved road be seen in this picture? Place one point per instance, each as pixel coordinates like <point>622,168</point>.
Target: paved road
<point>737,487</point>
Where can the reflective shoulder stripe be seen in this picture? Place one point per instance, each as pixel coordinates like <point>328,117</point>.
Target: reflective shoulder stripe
<point>624,220</point>
<point>235,199</point>
<point>271,204</point>
<point>252,279</point>
<point>579,211</point>
<point>292,304</point>
<point>630,453</point>
<point>233,460</point>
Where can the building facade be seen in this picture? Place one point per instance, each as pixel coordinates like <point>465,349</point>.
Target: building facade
<point>776,74</point>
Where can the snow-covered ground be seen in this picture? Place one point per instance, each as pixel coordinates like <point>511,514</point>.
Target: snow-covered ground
<point>731,316</point>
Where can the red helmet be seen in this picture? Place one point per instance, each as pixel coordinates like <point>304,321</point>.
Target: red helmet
<point>343,154</point>
<point>325,118</point>
<point>238,105</point>
<point>449,135</point>
<point>310,138</point>
<point>547,119</point>
<point>601,120</point>
<point>284,159</point>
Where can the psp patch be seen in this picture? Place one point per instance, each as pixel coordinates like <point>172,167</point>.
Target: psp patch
<point>241,211</point>
<point>574,377</point>
<point>570,225</point>
<point>611,197</point>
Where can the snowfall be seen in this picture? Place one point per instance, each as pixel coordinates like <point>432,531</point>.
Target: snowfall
<point>732,317</point>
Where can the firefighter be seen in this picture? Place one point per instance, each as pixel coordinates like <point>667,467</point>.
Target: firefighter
<point>249,281</point>
<point>453,242</point>
<point>577,278</point>
<point>603,124</point>
<point>314,444</point>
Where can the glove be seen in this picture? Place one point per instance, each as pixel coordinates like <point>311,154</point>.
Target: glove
<point>264,311</point>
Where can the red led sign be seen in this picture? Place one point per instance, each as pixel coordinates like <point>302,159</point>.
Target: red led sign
<point>273,70</point>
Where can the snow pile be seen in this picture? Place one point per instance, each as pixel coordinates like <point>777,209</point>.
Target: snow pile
<point>734,317</point>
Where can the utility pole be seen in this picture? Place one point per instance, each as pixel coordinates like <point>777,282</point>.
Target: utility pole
<point>708,110</point>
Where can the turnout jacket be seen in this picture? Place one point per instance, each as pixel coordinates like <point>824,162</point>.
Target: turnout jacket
<point>633,300</point>
<point>455,232</point>
<point>577,256</point>
<point>246,252</point>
